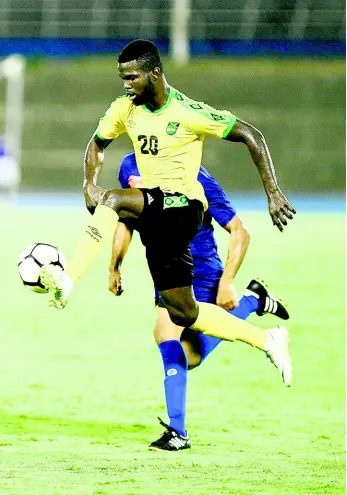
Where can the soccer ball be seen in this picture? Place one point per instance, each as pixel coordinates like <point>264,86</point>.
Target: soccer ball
<point>33,258</point>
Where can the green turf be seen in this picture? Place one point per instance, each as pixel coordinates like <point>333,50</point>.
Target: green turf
<point>80,390</point>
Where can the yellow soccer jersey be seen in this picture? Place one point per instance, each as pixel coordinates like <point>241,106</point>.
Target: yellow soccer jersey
<point>167,142</point>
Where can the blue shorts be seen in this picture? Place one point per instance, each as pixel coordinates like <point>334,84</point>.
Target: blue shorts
<point>206,294</point>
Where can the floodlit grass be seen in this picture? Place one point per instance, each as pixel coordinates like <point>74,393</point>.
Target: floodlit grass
<point>80,390</point>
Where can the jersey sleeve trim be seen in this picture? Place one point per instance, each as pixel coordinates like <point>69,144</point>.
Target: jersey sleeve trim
<point>99,136</point>
<point>230,126</point>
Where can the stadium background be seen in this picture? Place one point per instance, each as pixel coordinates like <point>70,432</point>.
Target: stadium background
<point>76,412</point>
<point>297,101</point>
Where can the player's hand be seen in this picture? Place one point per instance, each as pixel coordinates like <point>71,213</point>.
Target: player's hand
<point>92,196</point>
<point>115,282</point>
<point>227,296</point>
<point>280,209</point>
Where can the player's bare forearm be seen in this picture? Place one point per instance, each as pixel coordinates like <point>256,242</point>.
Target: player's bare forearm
<point>257,147</point>
<point>93,162</point>
<point>121,241</point>
<point>238,245</point>
<point>279,207</point>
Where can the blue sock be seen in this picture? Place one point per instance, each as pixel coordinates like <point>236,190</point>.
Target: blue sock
<point>247,305</point>
<point>176,369</point>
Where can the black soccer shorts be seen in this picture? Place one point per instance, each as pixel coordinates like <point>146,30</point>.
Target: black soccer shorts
<point>167,225</point>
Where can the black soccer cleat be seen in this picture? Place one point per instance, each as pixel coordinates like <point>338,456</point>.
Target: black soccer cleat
<point>268,303</point>
<point>170,440</point>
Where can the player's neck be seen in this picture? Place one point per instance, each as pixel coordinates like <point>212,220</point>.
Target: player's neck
<point>161,97</point>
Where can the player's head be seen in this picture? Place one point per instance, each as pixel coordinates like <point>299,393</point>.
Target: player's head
<point>140,67</point>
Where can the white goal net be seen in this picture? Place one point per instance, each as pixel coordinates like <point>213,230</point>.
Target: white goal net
<point>11,115</point>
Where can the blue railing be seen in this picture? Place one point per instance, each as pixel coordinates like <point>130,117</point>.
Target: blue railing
<point>67,47</point>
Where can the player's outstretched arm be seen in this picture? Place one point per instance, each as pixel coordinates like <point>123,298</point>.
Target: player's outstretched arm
<point>121,241</point>
<point>279,207</point>
<point>238,245</point>
<point>93,161</point>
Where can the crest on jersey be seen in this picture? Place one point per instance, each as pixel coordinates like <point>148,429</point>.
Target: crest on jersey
<point>172,128</point>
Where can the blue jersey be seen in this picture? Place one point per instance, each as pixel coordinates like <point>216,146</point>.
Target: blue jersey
<point>207,263</point>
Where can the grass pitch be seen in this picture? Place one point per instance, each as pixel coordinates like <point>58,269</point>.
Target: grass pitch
<point>80,390</point>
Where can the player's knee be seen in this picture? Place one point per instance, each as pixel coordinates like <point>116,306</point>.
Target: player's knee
<point>183,316</point>
<point>110,198</point>
<point>160,336</point>
<point>181,306</point>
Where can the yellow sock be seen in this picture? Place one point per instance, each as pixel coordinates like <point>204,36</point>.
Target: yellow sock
<point>98,231</point>
<point>216,322</point>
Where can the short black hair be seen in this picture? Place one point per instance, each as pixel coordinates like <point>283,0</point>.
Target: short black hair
<point>144,51</point>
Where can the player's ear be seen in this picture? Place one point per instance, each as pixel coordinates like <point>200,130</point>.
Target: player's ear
<point>155,73</point>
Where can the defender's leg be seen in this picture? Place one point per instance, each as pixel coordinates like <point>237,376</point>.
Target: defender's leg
<point>216,322</point>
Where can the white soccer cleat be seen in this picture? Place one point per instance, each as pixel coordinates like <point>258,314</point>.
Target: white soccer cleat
<point>58,284</point>
<point>278,353</point>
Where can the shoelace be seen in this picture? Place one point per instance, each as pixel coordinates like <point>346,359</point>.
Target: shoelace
<point>168,429</point>
<point>166,426</point>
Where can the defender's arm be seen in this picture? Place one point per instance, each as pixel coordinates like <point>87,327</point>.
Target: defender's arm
<point>279,207</point>
<point>121,241</point>
<point>238,245</point>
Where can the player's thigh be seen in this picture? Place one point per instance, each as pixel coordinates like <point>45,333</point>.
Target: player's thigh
<point>167,231</point>
<point>128,203</point>
<point>169,219</point>
<point>181,305</point>
<point>164,328</point>
<point>172,274</point>
<point>183,300</point>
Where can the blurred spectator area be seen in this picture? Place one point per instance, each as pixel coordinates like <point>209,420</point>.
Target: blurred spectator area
<point>209,19</point>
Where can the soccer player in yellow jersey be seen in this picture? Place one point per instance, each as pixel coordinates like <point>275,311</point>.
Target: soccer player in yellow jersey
<point>167,130</point>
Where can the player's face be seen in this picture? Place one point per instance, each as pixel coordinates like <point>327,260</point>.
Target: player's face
<point>137,83</point>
